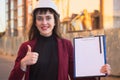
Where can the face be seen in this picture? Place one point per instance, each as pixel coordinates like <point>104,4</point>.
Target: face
<point>45,23</point>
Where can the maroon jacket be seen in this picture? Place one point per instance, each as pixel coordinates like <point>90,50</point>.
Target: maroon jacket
<point>65,66</point>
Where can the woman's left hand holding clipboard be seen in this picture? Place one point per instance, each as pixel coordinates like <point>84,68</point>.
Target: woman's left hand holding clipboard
<point>106,69</point>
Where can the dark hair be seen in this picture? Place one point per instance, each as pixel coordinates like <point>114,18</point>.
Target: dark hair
<point>34,32</point>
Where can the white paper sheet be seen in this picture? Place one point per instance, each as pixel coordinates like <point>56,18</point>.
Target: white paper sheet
<point>90,56</point>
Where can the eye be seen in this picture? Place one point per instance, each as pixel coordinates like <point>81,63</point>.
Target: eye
<point>48,18</point>
<point>39,18</point>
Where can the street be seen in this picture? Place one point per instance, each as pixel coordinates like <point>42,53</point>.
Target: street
<point>6,64</point>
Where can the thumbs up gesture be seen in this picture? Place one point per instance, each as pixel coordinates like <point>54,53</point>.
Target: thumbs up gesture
<point>30,58</point>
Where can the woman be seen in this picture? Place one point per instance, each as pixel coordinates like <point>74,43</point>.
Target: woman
<point>45,56</point>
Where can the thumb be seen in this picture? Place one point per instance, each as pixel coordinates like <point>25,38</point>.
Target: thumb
<point>29,48</point>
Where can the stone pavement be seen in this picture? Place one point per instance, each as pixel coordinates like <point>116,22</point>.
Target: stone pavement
<point>7,62</point>
<point>111,78</point>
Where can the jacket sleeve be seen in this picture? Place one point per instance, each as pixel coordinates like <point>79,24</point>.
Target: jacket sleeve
<point>17,73</point>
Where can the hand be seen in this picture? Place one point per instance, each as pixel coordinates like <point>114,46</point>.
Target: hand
<point>30,58</point>
<point>106,69</point>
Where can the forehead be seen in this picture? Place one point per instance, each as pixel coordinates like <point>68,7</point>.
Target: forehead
<point>43,11</point>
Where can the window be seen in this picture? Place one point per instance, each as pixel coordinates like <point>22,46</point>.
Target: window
<point>11,5</point>
<point>12,14</point>
<point>20,21</point>
<point>20,2</point>
<point>29,9</point>
<point>20,11</point>
<point>12,24</point>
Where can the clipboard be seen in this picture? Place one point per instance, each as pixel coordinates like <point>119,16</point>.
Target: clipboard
<point>90,56</point>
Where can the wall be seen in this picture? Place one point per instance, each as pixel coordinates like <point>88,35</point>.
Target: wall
<point>113,49</point>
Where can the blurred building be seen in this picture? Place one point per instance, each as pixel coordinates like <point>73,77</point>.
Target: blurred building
<point>18,15</point>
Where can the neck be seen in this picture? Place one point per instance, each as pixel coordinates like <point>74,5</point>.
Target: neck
<point>46,35</point>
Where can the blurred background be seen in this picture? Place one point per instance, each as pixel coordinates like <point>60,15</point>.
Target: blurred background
<point>79,18</point>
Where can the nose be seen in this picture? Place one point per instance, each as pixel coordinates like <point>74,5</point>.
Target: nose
<point>44,21</point>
